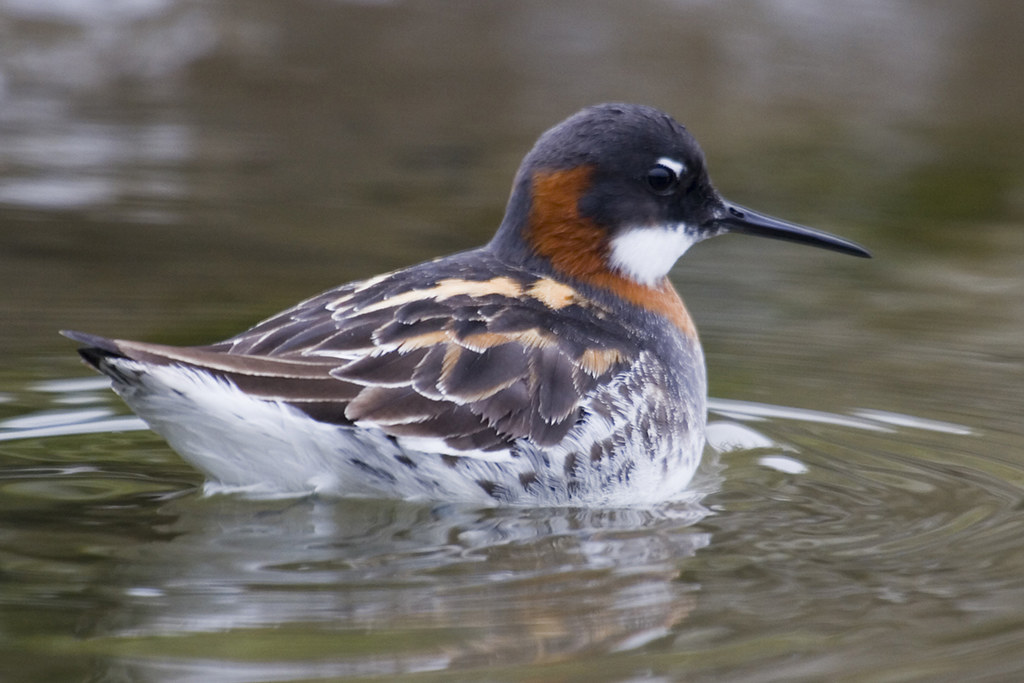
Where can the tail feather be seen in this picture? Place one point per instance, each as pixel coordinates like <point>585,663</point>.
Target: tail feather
<point>100,351</point>
<point>96,350</point>
<point>93,340</point>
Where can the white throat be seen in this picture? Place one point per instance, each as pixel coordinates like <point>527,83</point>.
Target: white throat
<point>646,254</point>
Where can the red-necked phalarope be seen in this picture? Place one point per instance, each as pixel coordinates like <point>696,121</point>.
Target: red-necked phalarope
<point>554,365</point>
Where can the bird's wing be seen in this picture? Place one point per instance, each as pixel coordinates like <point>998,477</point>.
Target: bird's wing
<point>459,365</point>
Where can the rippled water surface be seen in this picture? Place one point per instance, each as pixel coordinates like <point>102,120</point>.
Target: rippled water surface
<point>176,170</point>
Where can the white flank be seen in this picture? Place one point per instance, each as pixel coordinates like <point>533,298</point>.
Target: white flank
<point>646,254</point>
<point>271,449</point>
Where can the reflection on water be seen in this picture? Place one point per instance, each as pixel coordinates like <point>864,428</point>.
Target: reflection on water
<point>170,584</point>
<point>61,419</point>
<point>440,587</point>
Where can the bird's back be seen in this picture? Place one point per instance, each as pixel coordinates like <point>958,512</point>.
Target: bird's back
<point>462,377</point>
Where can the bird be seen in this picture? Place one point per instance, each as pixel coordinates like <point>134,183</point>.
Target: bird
<point>555,365</point>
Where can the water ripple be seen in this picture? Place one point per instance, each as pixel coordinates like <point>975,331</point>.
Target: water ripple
<point>801,522</point>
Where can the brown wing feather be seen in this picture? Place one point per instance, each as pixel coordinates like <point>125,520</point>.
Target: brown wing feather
<point>478,363</point>
<point>494,357</point>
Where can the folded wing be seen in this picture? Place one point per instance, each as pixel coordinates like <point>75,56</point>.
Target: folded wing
<point>468,365</point>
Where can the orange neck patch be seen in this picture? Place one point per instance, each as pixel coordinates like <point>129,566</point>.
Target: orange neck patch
<point>578,248</point>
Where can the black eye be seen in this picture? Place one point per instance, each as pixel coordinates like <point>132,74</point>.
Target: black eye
<point>662,180</point>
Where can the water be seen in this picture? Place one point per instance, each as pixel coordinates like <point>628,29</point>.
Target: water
<point>175,171</point>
